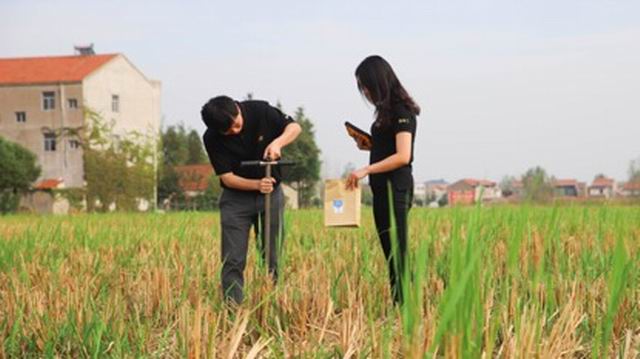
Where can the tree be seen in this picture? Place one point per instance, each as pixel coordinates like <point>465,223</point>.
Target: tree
<point>537,185</point>
<point>195,150</point>
<point>175,148</point>
<point>168,185</point>
<point>179,146</point>
<point>506,185</point>
<point>208,200</point>
<point>118,167</point>
<point>304,176</point>
<point>18,170</point>
<point>443,201</point>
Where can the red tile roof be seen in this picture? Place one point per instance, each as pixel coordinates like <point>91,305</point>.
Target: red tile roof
<point>631,186</point>
<point>51,69</point>
<point>565,182</point>
<point>476,182</point>
<point>602,182</point>
<point>469,183</point>
<point>194,177</point>
<point>48,183</point>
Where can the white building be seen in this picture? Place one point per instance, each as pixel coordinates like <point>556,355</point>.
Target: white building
<point>41,96</point>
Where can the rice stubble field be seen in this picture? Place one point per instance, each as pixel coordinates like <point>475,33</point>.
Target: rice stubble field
<point>507,282</point>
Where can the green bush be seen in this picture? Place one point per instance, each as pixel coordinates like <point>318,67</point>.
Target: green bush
<point>18,170</point>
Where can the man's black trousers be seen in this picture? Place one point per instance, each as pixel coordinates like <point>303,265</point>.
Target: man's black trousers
<point>239,211</point>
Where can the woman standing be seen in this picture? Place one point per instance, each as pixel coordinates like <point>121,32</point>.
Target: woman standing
<point>391,154</point>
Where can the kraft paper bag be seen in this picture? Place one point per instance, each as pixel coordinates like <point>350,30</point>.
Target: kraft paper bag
<point>341,206</point>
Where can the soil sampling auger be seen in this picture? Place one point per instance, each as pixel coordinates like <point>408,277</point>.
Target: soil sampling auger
<point>267,164</point>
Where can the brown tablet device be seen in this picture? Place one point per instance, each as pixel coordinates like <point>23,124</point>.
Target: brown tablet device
<point>358,134</point>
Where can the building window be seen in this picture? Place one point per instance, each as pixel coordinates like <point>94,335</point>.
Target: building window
<point>48,100</point>
<point>49,142</point>
<point>73,103</point>
<point>74,144</point>
<point>115,103</point>
<point>21,117</point>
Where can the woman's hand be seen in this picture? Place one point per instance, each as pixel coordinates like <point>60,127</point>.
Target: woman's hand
<point>355,176</point>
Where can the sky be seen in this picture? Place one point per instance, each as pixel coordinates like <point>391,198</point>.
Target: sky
<point>504,85</point>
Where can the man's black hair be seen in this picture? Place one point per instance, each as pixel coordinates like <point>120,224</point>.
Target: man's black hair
<point>219,112</point>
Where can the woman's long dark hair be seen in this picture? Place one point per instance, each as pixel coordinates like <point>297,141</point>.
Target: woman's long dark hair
<point>385,90</point>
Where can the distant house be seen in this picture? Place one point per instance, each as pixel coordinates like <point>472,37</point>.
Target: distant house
<point>43,200</point>
<point>420,193</point>
<point>461,192</point>
<point>194,180</point>
<point>568,188</point>
<point>469,191</point>
<point>433,190</point>
<point>631,189</point>
<point>602,187</point>
<point>436,188</point>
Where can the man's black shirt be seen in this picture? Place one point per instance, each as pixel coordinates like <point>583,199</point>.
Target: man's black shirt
<point>262,124</point>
